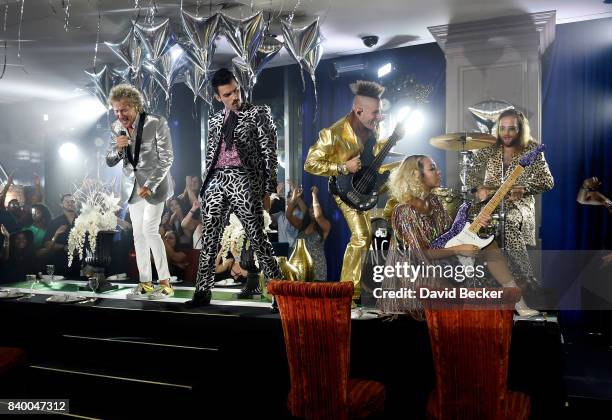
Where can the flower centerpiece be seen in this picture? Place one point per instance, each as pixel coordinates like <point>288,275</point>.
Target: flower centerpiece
<point>233,238</point>
<point>97,205</point>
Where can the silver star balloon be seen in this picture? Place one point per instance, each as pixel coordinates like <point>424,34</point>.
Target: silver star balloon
<point>195,79</point>
<point>122,75</point>
<point>102,81</point>
<point>244,75</point>
<point>244,35</point>
<point>94,91</point>
<point>128,51</point>
<point>266,52</point>
<point>304,45</point>
<point>486,113</point>
<point>156,39</point>
<point>202,32</point>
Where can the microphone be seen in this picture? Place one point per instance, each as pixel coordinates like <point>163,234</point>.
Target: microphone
<point>123,133</point>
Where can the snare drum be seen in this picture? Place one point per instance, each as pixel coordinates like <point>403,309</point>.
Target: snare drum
<point>450,200</point>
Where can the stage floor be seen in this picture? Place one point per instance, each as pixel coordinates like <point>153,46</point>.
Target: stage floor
<point>221,296</point>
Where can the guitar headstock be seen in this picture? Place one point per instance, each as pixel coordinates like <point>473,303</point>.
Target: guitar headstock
<point>530,157</point>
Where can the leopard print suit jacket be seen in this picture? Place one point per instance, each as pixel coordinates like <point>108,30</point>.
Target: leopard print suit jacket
<point>488,170</point>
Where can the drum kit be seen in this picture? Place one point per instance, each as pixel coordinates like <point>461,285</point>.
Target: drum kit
<point>465,143</point>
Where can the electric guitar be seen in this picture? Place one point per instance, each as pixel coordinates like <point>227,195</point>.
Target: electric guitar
<point>360,190</point>
<point>462,232</point>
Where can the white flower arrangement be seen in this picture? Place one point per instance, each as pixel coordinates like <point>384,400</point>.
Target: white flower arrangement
<point>97,205</point>
<point>233,236</point>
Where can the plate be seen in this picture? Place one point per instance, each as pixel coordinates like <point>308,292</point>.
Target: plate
<point>10,294</point>
<point>55,277</point>
<point>228,282</point>
<point>64,298</point>
<point>363,314</point>
<point>173,280</point>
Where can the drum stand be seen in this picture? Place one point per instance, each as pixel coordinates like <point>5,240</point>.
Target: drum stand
<point>466,161</point>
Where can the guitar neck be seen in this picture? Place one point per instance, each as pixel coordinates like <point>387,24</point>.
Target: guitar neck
<point>385,150</point>
<point>490,207</point>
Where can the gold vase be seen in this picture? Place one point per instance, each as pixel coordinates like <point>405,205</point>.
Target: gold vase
<point>302,261</point>
<point>290,272</point>
<point>263,286</point>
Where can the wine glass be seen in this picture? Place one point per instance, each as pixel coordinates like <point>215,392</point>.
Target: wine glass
<point>50,271</point>
<point>33,279</point>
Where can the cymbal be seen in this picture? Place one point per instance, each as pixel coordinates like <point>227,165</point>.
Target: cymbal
<point>456,142</point>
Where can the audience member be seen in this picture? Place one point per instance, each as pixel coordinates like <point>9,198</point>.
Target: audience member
<point>18,256</point>
<point>177,260</point>
<point>314,229</point>
<point>57,238</point>
<point>193,183</point>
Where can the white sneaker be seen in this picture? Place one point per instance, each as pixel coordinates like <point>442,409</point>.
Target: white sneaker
<point>524,310</point>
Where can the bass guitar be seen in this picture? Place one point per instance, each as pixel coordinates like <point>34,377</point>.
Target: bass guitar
<point>360,190</point>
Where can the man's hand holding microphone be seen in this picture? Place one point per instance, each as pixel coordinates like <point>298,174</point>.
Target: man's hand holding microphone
<point>122,141</point>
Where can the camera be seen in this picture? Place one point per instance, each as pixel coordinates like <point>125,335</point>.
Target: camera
<point>370,40</point>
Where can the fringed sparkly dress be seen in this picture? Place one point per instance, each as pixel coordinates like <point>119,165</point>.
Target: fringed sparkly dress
<point>413,231</point>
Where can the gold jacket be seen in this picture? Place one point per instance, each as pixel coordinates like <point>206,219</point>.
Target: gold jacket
<point>336,145</point>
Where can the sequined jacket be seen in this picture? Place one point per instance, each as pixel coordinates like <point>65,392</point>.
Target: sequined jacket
<point>255,140</point>
<point>154,161</point>
<point>487,171</point>
<point>335,145</point>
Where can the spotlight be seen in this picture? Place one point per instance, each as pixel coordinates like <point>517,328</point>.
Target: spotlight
<point>402,113</point>
<point>68,151</point>
<point>45,117</point>
<point>415,122</point>
<point>384,70</point>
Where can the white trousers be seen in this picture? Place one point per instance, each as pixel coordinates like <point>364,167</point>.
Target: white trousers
<point>146,218</point>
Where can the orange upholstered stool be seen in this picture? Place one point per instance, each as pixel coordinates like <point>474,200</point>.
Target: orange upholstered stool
<point>316,319</point>
<point>470,345</point>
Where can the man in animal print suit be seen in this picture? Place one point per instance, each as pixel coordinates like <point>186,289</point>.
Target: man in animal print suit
<point>491,166</point>
<point>239,176</point>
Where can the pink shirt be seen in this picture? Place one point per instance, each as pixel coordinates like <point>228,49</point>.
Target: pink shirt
<point>227,157</point>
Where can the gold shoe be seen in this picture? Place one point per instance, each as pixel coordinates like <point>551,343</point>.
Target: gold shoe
<point>162,291</point>
<point>141,291</point>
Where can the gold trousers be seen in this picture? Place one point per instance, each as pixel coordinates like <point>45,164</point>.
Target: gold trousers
<point>357,248</point>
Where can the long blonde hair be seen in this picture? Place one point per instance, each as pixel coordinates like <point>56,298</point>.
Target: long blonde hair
<point>523,126</point>
<point>406,181</point>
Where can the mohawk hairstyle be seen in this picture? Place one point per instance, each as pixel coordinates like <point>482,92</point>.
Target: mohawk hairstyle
<point>367,88</point>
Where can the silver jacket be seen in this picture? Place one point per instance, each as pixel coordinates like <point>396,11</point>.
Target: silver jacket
<point>154,161</point>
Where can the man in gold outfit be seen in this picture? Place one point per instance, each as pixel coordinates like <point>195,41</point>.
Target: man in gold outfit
<point>338,151</point>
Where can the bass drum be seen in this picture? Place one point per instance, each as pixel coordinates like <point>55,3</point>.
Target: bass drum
<point>381,234</point>
<point>450,200</point>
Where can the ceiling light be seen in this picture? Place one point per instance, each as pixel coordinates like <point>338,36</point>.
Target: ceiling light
<point>384,70</point>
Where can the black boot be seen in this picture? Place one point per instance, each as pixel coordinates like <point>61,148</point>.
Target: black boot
<point>200,298</point>
<point>274,307</point>
<point>251,288</point>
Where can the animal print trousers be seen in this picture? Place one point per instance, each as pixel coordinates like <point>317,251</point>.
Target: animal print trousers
<point>516,249</point>
<point>228,190</point>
